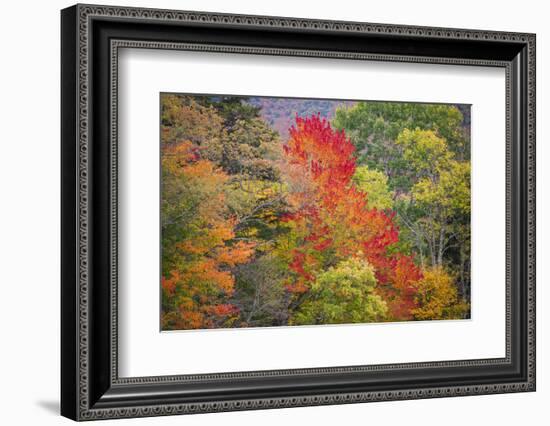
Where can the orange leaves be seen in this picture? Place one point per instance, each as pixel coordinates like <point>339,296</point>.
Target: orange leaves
<point>196,293</point>
<point>190,319</point>
<point>199,279</point>
<point>238,253</point>
<point>331,215</point>
<point>223,310</point>
<point>169,284</point>
<point>331,211</point>
<point>176,157</point>
<point>398,277</point>
<point>206,272</point>
<point>214,236</point>
<point>221,232</point>
<point>303,214</point>
<point>183,159</point>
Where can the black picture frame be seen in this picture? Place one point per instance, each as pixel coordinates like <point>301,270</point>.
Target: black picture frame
<point>90,38</point>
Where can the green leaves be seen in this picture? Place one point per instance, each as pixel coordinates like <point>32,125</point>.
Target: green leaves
<point>363,218</point>
<point>425,152</point>
<point>375,184</point>
<point>374,128</point>
<point>342,294</point>
<point>449,190</point>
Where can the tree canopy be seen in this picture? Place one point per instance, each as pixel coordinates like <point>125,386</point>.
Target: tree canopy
<point>358,217</point>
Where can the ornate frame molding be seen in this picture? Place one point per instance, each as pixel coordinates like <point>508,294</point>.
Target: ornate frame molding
<point>82,16</point>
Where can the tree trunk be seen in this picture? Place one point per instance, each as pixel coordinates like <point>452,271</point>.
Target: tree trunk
<point>441,246</point>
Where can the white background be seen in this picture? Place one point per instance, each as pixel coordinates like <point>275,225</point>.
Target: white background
<point>29,229</point>
<point>198,351</point>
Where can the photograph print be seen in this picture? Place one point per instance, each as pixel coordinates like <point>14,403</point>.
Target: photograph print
<point>300,212</point>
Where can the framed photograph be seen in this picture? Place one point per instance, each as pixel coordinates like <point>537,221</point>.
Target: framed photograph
<point>263,212</point>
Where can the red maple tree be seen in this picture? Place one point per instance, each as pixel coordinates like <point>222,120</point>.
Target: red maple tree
<point>332,216</point>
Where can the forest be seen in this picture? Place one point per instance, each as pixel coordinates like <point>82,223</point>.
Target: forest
<point>286,211</point>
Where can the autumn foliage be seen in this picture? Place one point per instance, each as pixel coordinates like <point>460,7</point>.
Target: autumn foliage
<point>334,219</point>
<point>263,231</point>
<point>199,279</point>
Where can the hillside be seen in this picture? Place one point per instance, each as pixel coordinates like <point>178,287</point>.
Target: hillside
<point>281,112</point>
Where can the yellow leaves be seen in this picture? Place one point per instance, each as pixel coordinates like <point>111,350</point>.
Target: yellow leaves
<point>221,232</point>
<point>450,189</point>
<point>375,185</point>
<point>424,150</point>
<point>427,192</point>
<point>184,119</point>
<point>175,157</point>
<point>344,293</point>
<point>243,194</point>
<point>182,159</point>
<point>208,239</point>
<point>205,171</point>
<point>437,296</point>
<point>455,183</point>
<point>185,303</point>
<point>204,251</point>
